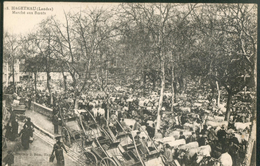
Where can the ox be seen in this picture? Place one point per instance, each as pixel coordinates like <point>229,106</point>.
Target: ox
<point>176,134</point>
<point>242,126</point>
<point>216,124</point>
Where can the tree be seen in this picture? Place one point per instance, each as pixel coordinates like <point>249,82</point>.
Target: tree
<point>11,53</point>
<point>156,19</point>
<point>80,44</point>
<point>33,58</point>
<point>231,60</point>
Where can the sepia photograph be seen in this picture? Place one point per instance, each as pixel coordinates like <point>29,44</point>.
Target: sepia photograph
<point>129,84</point>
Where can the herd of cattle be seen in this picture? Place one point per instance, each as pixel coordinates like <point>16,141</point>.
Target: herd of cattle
<point>190,153</point>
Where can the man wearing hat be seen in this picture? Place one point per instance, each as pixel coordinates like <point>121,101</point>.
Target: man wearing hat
<point>193,137</point>
<point>136,125</point>
<point>55,122</point>
<point>137,137</point>
<point>168,154</point>
<point>203,140</point>
<point>181,135</point>
<point>205,128</point>
<point>15,127</point>
<point>29,125</point>
<point>160,146</point>
<point>150,130</point>
<point>158,135</point>
<point>221,134</point>
<point>233,148</point>
<point>9,158</point>
<point>58,149</point>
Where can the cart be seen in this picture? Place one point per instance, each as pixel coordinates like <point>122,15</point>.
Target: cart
<point>127,151</point>
<point>101,146</point>
<point>19,110</point>
<point>82,134</point>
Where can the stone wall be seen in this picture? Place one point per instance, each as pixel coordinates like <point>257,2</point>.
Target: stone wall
<point>42,109</point>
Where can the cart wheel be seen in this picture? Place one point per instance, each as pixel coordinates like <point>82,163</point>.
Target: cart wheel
<point>107,162</point>
<point>66,137</point>
<point>91,159</point>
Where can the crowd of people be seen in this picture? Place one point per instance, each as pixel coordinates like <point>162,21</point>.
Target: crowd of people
<point>224,141</point>
<point>11,130</point>
<point>118,107</point>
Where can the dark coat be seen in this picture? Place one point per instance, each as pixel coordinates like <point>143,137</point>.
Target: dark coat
<point>8,133</point>
<point>221,135</point>
<point>150,130</point>
<point>14,129</point>
<point>192,139</point>
<point>202,141</point>
<point>58,149</point>
<point>55,120</point>
<point>29,125</point>
<point>25,138</point>
<point>9,159</point>
<point>234,140</point>
<point>182,137</point>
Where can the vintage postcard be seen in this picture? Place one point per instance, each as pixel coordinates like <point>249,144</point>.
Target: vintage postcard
<point>129,84</point>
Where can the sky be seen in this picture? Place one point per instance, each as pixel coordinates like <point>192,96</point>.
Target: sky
<point>19,21</point>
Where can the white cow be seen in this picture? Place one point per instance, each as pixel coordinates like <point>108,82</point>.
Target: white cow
<point>101,111</point>
<point>129,122</point>
<point>189,145</point>
<point>112,99</point>
<point>129,100</point>
<point>149,108</point>
<point>176,143</point>
<point>200,151</point>
<point>242,136</point>
<point>94,111</point>
<point>222,107</point>
<point>225,160</point>
<point>92,103</point>
<point>16,102</point>
<point>216,118</point>
<point>176,134</point>
<point>165,140</point>
<point>242,126</point>
<point>205,150</point>
<point>197,104</point>
<point>150,123</point>
<point>141,103</point>
<point>142,134</point>
<point>125,109</point>
<point>217,124</point>
<point>195,125</point>
<point>185,109</point>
